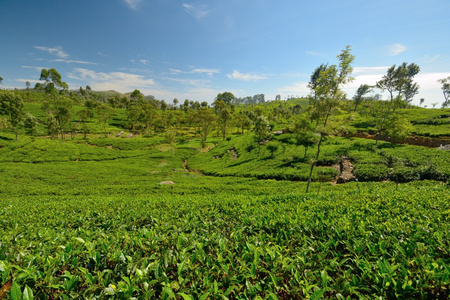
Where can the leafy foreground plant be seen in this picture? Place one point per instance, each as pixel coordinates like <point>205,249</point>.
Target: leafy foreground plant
<point>377,241</point>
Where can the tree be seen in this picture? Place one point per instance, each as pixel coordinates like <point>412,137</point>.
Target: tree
<point>52,126</point>
<point>1,79</point>
<point>170,137</point>
<point>224,115</point>
<point>359,96</point>
<point>226,97</point>
<point>446,91</point>
<point>261,130</point>
<point>422,100</point>
<point>11,105</point>
<point>62,110</point>
<point>104,113</point>
<point>243,122</point>
<point>53,82</point>
<point>304,133</point>
<point>400,80</point>
<point>389,123</point>
<point>327,95</point>
<point>175,102</point>
<point>30,124</point>
<point>206,118</point>
<point>85,115</point>
<point>312,84</point>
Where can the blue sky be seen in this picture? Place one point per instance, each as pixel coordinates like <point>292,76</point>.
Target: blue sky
<point>196,49</point>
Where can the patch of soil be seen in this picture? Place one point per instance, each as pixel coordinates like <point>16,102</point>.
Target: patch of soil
<point>235,155</point>
<point>346,171</point>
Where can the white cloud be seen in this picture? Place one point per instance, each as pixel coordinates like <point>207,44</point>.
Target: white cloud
<point>396,49</point>
<point>133,4</point>
<point>144,61</point>
<point>296,88</point>
<point>428,81</point>
<point>246,77</point>
<point>175,71</point>
<point>370,70</point>
<point>119,81</point>
<point>38,69</point>
<point>70,61</point>
<point>209,72</point>
<point>194,82</point>
<point>429,59</point>
<point>57,51</point>
<point>197,11</point>
<point>313,53</point>
<point>31,81</point>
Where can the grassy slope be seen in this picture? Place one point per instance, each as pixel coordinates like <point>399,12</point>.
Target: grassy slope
<point>371,162</point>
<point>108,228</point>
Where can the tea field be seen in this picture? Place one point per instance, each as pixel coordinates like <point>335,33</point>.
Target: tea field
<point>91,219</point>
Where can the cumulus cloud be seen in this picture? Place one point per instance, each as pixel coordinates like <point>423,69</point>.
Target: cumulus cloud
<point>296,88</point>
<point>57,51</point>
<point>133,4</point>
<point>209,72</point>
<point>197,11</point>
<point>246,77</point>
<point>119,81</point>
<point>396,49</point>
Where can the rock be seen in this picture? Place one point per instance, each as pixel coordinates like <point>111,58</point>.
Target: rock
<point>119,134</point>
<point>167,182</point>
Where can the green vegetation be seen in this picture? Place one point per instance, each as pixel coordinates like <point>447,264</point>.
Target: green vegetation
<point>121,196</point>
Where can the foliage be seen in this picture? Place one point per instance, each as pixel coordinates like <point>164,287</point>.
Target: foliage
<point>327,95</point>
<point>400,80</point>
<point>11,105</point>
<point>446,91</point>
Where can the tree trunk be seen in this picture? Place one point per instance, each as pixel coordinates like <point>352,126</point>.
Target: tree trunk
<point>313,164</point>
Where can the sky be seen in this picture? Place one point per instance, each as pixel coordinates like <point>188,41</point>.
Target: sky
<point>195,49</point>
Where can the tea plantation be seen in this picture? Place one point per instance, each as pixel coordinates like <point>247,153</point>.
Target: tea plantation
<point>118,218</point>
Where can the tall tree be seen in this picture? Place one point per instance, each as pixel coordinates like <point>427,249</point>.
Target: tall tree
<point>304,133</point>
<point>446,91</point>
<point>53,81</point>
<point>312,84</point>
<point>359,96</point>
<point>30,124</point>
<point>62,110</point>
<point>327,95</point>
<point>11,104</point>
<point>104,113</point>
<point>224,115</point>
<point>400,80</point>
<point>226,97</point>
<point>262,130</point>
<point>389,123</point>
<point>206,118</point>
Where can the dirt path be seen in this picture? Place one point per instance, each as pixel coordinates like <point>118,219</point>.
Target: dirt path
<point>346,171</point>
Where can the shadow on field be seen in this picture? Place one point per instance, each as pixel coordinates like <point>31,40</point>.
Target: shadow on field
<point>240,163</point>
<point>5,138</point>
